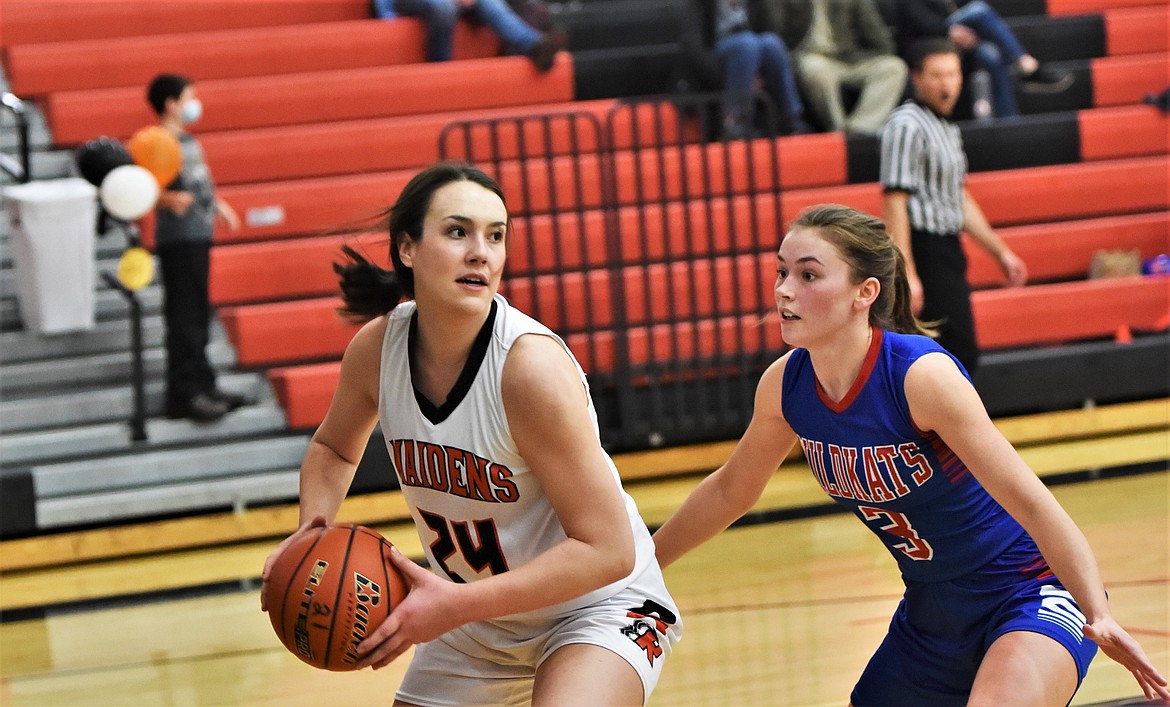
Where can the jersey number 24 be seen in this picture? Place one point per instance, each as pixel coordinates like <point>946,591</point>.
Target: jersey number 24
<point>452,535</point>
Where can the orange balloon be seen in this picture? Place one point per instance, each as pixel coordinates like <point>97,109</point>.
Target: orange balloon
<point>156,149</point>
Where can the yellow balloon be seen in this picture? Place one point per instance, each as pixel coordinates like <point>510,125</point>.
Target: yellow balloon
<point>136,268</point>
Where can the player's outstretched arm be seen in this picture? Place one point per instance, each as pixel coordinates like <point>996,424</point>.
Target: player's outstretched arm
<point>729,492</point>
<point>941,399</point>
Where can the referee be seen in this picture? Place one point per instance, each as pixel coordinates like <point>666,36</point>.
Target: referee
<point>926,203</point>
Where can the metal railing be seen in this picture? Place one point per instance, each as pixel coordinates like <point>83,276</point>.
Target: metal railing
<point>19,111</point>
<point>648,243</point>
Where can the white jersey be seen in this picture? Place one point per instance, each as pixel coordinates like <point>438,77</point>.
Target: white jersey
<point>478,508</point>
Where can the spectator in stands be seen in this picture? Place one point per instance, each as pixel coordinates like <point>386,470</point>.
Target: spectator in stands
<point>439,17</point>
<point>842,43</point>
<point>726,50</point>
<point>926,203</point>
<point>977,30</point>
<point>185,218</point>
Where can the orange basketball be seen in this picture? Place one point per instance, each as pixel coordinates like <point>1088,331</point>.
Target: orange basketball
<point>156,149</point>
<point>327,591</point>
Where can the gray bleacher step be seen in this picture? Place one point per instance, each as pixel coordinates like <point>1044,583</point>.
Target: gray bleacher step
<point>237,492</point>
<point>19,379</point>
<point>25,448</point>
<point>105,337</point>
<point>191,464</point>
<point>62,407</point>
<point>108,304</point>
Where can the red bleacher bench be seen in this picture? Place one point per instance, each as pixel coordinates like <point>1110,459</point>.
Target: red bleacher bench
<point>1137,30</point>
<point>290,99</point>
<point>1125,131</point>
<point>348,147</point>
<point>36,21</point>
<point>1125,80</point>
<point>1070,311</point>
<point>39,69</point>
<point>1064,249</point>
<point>1081,7</point>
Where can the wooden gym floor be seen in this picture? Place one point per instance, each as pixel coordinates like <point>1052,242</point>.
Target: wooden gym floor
<point>781,610</point>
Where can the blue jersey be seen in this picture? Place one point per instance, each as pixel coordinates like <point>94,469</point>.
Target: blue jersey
<point>904,483</point>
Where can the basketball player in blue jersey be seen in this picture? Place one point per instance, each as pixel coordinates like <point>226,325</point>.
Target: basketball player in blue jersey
<point>545,587</point>
<point>1004,604</point>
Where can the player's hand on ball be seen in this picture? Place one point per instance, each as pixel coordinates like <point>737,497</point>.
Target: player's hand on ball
<point>432,607</point>
<point>314,522</point>
<point>1116,643</point>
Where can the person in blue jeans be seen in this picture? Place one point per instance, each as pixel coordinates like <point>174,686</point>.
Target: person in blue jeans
<point>728,50</point>
<point>977,29</point>
<point>439,17</point>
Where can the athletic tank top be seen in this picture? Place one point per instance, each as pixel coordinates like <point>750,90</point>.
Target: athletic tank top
<point>478,508</point>
<point>905,484</point>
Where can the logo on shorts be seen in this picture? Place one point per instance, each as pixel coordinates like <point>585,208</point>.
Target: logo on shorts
<point>649,622</point>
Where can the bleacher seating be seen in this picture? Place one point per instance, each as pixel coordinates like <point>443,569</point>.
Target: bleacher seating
<point>316,116</point>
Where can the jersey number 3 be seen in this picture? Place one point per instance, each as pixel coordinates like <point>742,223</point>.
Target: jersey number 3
<point>899,525</point>
<point>485,553</point>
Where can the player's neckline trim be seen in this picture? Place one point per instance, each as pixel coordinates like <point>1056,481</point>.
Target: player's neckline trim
<point>436,414</point>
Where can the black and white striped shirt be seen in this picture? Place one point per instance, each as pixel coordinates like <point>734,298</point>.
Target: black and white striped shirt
<point>922,154</point>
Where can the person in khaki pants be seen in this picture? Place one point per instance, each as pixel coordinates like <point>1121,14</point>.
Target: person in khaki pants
<point>842,43</point>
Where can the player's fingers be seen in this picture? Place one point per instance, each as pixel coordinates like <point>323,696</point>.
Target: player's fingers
<point>264,574</point>
<point>384,653</point>
<point>378,636</point>
<point>411,571</point>
<point>1153,683</point>
<point>1147,689</point>
<point>394,654</point>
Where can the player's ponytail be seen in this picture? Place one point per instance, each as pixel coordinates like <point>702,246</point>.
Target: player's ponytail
<point>902,312</point>
<point>368,291</point>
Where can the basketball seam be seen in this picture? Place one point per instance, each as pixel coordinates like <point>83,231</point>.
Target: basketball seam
<point>288,587</point>
<point>337,599</point>
<point>386,577</point>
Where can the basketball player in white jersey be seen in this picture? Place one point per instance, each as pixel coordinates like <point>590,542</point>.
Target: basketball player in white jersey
<point>545,588</point>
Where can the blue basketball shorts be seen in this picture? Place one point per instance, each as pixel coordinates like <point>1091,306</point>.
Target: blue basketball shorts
<point>941,630</point>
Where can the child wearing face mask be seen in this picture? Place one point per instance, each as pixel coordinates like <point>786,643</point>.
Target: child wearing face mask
<point>185,219</point>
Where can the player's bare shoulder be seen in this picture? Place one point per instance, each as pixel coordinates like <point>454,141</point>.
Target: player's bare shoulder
<point>538,364</point>
<point>769,390</point>
<point>363,354</point>
<point>368,338</point>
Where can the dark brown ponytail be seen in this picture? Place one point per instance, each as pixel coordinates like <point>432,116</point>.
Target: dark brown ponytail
<point>369,291</point>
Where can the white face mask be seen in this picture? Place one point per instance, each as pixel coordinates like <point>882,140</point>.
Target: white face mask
<point>191,111</point>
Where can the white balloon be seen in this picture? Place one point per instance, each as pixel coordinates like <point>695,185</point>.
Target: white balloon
<point>129,192</point>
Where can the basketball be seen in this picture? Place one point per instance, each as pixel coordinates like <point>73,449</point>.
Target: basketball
<point>328,590</point>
